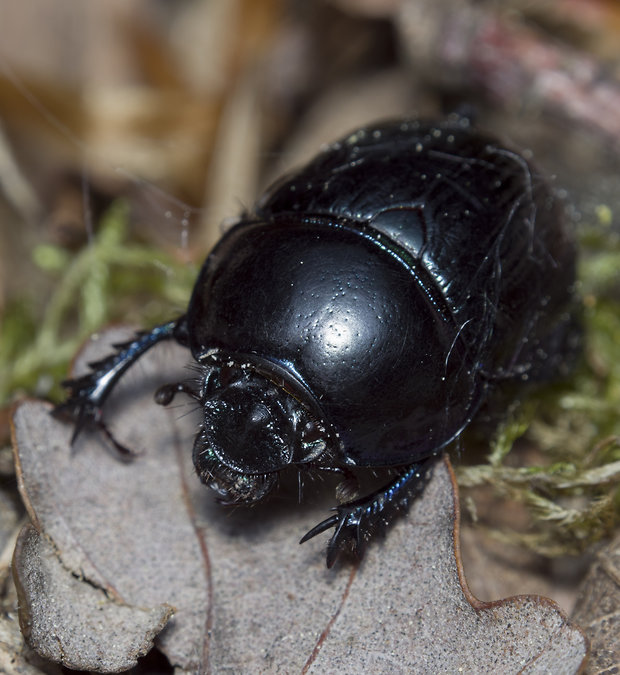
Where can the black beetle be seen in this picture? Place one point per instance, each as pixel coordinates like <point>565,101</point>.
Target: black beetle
<point>364,312</point>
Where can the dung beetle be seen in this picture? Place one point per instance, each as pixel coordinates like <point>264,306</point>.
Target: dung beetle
<point>363,313</point>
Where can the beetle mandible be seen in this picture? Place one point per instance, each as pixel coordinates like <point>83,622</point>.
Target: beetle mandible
<point>363,312</point>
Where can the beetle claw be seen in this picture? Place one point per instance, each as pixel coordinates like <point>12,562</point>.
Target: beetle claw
<point>352,531</point>
<point>357,521</point>
<point>321,527</point>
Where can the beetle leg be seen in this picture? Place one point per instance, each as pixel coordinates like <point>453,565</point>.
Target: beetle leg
<point>356,521</point>
<point>88,393</point>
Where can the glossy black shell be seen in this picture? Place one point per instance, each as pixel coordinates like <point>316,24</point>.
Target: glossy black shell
<point>391,283</point>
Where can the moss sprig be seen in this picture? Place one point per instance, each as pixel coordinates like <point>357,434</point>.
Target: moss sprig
<point>104,282</point>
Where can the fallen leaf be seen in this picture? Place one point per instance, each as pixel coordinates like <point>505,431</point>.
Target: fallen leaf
<point>78,611</point>
<point>496,569</point>
<point>123,528</point>
<point>598,609</point>
<point>246,597</point>
<point>15,658</point>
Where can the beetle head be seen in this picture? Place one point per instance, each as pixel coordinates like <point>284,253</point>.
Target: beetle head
<point>253,428</point>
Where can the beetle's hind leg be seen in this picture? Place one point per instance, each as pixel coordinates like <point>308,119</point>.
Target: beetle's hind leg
<point>88,393</point>
<point>356,521</point>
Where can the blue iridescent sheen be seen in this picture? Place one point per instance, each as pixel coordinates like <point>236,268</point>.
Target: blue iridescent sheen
<point>364,312</point>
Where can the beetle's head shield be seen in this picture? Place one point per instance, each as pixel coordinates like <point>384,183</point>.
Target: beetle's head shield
<point>254,426</point>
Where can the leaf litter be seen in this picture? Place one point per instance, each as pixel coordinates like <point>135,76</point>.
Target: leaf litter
<point>117,550</point>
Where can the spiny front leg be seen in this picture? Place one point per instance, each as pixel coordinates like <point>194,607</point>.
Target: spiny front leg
<point>356,521</point>
<point>88,393</point>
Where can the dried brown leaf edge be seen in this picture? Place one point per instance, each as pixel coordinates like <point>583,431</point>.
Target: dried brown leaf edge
<point>123,555</point>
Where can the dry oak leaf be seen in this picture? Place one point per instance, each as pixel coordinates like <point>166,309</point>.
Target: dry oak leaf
<point>133,540</point>
<point>598,609</point>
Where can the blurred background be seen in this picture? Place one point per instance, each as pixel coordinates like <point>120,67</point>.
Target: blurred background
<point>131,133</point>
<point>184,111</point>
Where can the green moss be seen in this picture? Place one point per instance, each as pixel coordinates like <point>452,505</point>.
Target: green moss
<point>572,494</point>
<point>103,283</point>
